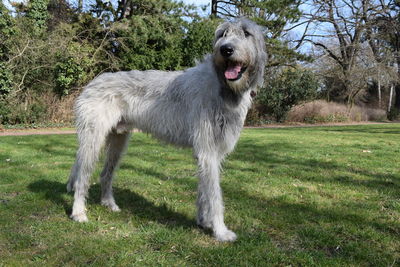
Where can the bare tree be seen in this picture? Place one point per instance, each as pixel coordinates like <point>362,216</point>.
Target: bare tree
<point>337,31</point>
<point>230,8</point>
<point>343,30</point>
<point>383,35</point>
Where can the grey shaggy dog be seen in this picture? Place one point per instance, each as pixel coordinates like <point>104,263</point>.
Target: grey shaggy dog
<point>203,107</point>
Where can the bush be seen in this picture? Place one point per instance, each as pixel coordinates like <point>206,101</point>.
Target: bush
<point>288,89</point>
<point>4,112</point>
<point>320,111</point>
<point>255,118</point>
<point>393,114</point>
<point>67,74</point>
<point>5,79</point>
<point>22,113</point>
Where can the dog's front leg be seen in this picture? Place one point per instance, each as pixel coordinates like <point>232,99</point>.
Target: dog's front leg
<point>209,200</point>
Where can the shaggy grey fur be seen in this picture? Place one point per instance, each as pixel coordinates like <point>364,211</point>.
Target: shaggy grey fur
<point>203,107</point>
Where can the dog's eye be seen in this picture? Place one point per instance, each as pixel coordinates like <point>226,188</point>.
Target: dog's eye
<point>221,34</point>
<point>246,33</point>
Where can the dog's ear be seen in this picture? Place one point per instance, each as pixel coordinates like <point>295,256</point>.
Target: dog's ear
<point>260,35</point>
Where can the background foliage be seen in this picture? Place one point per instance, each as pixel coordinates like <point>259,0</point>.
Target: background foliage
<point>286,90</point>
<point>49,49</point>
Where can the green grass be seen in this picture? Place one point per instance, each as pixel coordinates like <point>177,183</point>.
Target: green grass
<point>323,196</point>
<point>36,126</point>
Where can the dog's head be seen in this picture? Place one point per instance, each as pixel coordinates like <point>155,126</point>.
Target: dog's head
<point>239,54</point>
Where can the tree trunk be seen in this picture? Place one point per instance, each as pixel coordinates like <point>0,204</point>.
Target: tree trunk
<point>390,98</point>
<point>350,93</point>
<point>214,5</point>
<point>379,94</point>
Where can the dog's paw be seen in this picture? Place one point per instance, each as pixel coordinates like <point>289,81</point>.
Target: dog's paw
<point>115,208</point>
<point>225,236</point>
<point>79,217</point>
<point>111,205</point>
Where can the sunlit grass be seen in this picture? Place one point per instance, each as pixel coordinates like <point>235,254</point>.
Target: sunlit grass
<point>325,196</point>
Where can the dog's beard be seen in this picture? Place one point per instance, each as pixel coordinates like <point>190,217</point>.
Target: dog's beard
<point>240,84</point>
<point>234,74</point>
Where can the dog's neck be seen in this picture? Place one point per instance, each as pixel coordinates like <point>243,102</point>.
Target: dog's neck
<point>229,96</point>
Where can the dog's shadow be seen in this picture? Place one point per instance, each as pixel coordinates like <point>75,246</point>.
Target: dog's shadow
<point>126,199</point>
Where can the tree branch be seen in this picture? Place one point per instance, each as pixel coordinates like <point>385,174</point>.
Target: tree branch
<point>20,52</point>
<point>327,50</point>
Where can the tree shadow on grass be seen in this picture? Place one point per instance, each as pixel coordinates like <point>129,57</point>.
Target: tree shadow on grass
<point>126,199</point>
<point>277,154</point>
<point>363,129</point>
<point>299,213</point>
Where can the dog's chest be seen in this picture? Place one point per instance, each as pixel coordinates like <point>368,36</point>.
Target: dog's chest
<point>230,123</point>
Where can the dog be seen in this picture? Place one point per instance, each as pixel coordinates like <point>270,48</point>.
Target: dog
<point>203,107</point>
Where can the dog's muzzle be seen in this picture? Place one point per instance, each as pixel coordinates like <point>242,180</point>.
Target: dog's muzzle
<point>233,69</point>
<point>227,50</point>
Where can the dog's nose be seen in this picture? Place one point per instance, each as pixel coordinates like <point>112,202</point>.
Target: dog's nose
<point>227,50</point>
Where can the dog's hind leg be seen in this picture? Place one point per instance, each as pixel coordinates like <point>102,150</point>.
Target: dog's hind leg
<point>209,200</point>
<point>91,141</point>
<point>115,146</point>
<point>72,177</point>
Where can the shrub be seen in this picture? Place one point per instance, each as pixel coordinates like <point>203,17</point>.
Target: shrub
<point>393,114</point>
<point>4,112</point>
<point>67,74</point>
<point>5,79</point>
<point>12,112</point>
<point>375,114</point>
<point>255,118</point>
<point>288,89</point>
<point>320,111</point>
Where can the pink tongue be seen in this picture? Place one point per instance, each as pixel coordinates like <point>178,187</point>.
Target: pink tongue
<point>232,72</point>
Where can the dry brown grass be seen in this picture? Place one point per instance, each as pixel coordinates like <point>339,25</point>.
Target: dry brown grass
<point>60,110</point>
<point>35,108</point>
<point>320,111</point>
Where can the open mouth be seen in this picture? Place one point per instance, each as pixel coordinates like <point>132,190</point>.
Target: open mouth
<point>234,71</point>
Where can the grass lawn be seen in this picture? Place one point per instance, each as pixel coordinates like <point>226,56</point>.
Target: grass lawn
<point>320,196</point>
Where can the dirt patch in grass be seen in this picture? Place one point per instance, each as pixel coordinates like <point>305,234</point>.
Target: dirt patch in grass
<point>13,132</point>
